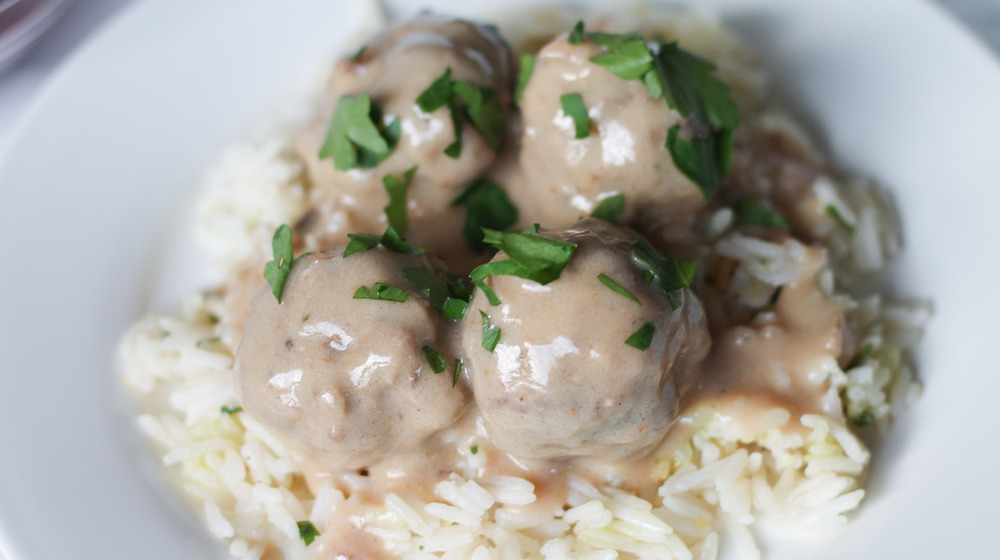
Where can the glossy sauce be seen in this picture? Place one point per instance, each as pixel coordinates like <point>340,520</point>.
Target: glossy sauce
<point>345,383</point>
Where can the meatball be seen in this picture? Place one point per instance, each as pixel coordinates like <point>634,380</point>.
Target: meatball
<point>561,381</point>
<point>343,380</point>
<point>394,69</point>
<point>565,178</point>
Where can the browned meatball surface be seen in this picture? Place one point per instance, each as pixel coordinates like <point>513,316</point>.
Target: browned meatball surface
<point>343,379</point>
<point>561,381</point>
<point>565,178</point>
<point>394,69</point>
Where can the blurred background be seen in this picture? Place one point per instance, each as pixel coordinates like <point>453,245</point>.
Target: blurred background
<point>37,35</point>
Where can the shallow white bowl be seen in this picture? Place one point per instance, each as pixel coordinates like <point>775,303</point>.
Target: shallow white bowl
<point>92,193</point>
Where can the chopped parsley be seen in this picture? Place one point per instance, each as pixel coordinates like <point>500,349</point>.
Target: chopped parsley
<point>458,367</point>
<point>473,449</point>
<point>483,110</point>
<point>394,242</point>
<point>860,357</point>
<point>610,208</point>
<point>434,359</point>
<point>530,256</point>
<point>455,308</point>
<point>689,87</point>
<point>572,105</point>
<point>576,36</point>
<point>643,337</point>
<point>616,287</point>
<point>203,342</point>
<point>231,409</point>
<point>626,56</point>
<point>865,419</point>
<point>361,242</point>
<point>395,211</point>
<point>307,531</point>
<point>491,335</point>
<point>750,211</point>
<point>383,292</point>
<point>446,292</point>
<point>356,135</point>
<point>524,74</point>
<point>437,94</point>
<point>776,295</point>
<point>834,213</point>
<point>489,207</point>
<point>669,274</point>
<point>358,54</point>
<point>477,104</point>
<point>704,160</point>
<point>276,272</point>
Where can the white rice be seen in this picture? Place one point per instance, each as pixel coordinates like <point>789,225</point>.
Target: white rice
<point>250,492</point>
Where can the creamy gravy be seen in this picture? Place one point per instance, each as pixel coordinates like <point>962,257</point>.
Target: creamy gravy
<point>570,398</point>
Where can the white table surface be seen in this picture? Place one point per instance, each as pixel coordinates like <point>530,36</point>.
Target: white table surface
<point>23,81</point>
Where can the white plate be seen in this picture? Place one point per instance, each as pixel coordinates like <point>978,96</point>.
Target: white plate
<point>117,138</point>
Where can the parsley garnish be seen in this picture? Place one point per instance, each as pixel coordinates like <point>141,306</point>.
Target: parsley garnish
<point>687,83</point>
<point>576,36</point>
<point>776,295</point>
<point>474,449</point>
<point>749,211</point>
<point>231,409</point>
<point>455,308</point>
<point>860,357</point>
<point>489,207</point>
<point>483,109</point>
<point>276,272</point>
<point>356,136</point>
<point>627,55</point>
<point>610,208</point>
<point>437,94</point>
<point>669,274</point>
<point>395,212</point>
<point>203,342</point>
<point>383,292</point>
<point>530,256</point>
<point>703,160</point>
<point>616,287</point>
<point>307,531</point>
<point>434,359</point>
<point>690,89</point>
<point>491,335</point>
<point>477,104</point>
<point>865,419</point>
<point>445,292</point>
<point>524,74</point>
<point>458,368</point>
<point>643,337</point>
<point>572,105</point>
<point>361,242</point>
<point>394,242</point>
<point>834,213</point>
<point>358,54</point>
